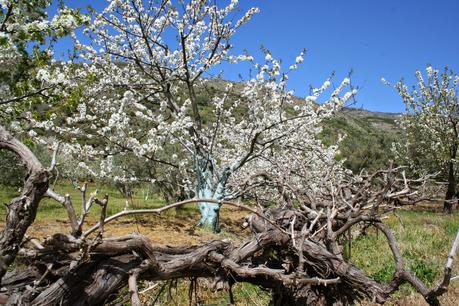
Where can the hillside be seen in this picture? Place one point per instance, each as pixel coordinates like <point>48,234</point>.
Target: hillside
<point>369,137</point>
<point>376,120</point>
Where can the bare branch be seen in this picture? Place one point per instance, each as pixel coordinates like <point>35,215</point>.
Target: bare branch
<point>178,204</point>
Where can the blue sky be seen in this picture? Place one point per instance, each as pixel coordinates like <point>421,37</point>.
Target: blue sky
<point>374,38</point>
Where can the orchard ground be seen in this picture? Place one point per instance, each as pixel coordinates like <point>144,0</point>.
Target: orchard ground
<point>424,236</point>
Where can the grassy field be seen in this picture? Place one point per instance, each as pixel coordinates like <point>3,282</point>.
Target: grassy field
<point>424,237</point>
<point>50,209</point>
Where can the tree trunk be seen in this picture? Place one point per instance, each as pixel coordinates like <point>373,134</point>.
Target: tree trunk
<point>451,191</point>
<point>21,211</point>
<point>210,212</point>
<point>101,280</point>
<point>207,188</point>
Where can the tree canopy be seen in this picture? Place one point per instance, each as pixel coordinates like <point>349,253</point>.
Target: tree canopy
<point>430,127</point>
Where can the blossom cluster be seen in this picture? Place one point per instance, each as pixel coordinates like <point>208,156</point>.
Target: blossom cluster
<point>430,124</point>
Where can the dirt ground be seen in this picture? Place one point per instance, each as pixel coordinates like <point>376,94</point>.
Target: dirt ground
<point>172,228</point>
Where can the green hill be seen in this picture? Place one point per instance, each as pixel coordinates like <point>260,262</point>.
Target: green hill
<point>369,137</point>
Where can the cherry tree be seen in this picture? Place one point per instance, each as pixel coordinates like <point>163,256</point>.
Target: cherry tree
<point>21,24</point>
<point>430,127</point>
<point>27,36</point>
<point>138,89</point>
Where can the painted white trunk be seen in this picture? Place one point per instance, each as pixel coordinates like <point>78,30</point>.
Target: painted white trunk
<point>209,211</point>
<point>209,187</point>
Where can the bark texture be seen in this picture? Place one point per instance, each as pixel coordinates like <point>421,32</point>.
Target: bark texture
<point>451,190</point>
<point>21,211</point>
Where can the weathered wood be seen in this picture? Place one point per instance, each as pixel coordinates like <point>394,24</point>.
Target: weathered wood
<point>67,204</point>
<point>21,211</point>
<point>112,262</point>
<point>90,283</point>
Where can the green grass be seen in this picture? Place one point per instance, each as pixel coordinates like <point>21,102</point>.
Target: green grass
<point>50,209</point>
<point>424,239</point>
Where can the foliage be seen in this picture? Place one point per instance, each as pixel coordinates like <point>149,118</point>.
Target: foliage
<point>11,169</point>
